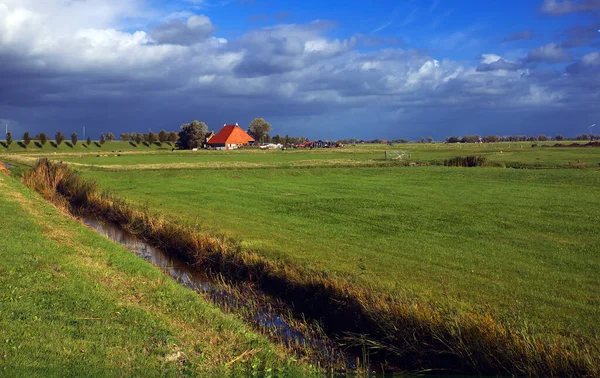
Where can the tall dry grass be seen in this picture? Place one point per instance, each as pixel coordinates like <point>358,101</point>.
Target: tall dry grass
<point>393,332</point>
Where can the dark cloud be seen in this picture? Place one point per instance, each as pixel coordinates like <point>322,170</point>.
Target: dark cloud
<point>286,48</point>
<point>525,34</point>
<point>588,64</point>
<point>550,53</point>
<point>581,35</point>
<point>299,76</point>
<point>177,32</point>
<point>562,7</point>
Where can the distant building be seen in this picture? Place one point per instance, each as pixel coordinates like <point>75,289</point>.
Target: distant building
<point>229,138</point>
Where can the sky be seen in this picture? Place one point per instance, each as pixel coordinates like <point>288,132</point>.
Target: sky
<point>322,69</point>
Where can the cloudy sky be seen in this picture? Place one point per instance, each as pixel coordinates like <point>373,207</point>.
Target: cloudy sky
<point>323,69</point>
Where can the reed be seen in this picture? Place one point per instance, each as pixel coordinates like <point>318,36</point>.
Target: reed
<point>466,161</point>
<point>393,332</point>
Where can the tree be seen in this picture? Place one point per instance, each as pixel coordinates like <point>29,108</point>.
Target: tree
<point>173,136</point>
<point>191,135</point>
<point>429,139</point>
<point>559,137</point>
<point>102,138</point>
<point>59,138</point>
<point>89,141</point>
<point>8,139</point>
<point>542,138</point>
<point>42,138</point>
<point>452,139</point>
<point>74,139</point>
<point>26,138</point>
<point>162,136</point>
<point>138,138</point>
<point>258,128</point>
<point>124,137</point>
<point>152,137</point>
<point>490,139</point>
<point>110,136</point>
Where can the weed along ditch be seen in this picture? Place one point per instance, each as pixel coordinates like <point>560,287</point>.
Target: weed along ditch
<point>339,325</point>
<point>269,316</point>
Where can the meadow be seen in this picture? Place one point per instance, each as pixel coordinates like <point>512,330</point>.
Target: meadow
<point>520,244</point>
<point>73,302</point>
<point>523,241</point>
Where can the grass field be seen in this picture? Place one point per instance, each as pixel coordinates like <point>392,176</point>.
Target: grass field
<point>519,243</point>
<point>522,241</point>
<point>519,154</point>
<point>73,303</point>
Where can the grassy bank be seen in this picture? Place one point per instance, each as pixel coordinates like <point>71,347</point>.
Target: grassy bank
<point>73,303</point>
<point>409,333</point>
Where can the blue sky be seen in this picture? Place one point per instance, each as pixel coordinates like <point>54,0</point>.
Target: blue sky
<point>366,69</point>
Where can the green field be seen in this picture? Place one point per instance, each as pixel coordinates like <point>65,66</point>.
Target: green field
<point>519,154</point>
<point>521,244</point>
<point>522,241</point>
<point>73,303</point>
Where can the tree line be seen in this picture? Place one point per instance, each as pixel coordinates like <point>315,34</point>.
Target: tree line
<point>516,138</point>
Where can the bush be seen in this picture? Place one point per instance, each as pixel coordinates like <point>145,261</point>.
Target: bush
<point>579,164</point>
<point>466,161</point>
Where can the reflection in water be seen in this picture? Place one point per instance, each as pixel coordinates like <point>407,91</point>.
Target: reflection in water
<point>182,272</point>
<point>265,317</point>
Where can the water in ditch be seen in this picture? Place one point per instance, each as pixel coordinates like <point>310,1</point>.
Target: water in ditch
<point>273,322</point>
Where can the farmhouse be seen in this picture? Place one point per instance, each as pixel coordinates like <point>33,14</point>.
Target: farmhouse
<point>229,138</point>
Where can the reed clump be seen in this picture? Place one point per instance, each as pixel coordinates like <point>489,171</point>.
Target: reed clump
<point>466,161</point>
<point>397,333</point>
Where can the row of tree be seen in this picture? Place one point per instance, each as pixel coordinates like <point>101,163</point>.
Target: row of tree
<point>162,136</point>
<point>516,138</point>
<point>59,138</point>
<point>193,134</point>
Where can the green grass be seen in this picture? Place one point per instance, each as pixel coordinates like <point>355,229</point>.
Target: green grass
<point>73,303</point>
<point>521,242</point>
<point>508,154</point>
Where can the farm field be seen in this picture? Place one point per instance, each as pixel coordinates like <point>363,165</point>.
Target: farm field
<point>72,301</point>
<point>521,242</point>
<point>519,154</point>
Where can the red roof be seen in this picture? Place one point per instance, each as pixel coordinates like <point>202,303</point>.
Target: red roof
<point>231,134</point>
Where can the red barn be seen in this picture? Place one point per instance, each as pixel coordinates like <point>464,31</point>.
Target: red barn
<point>229,138</point>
